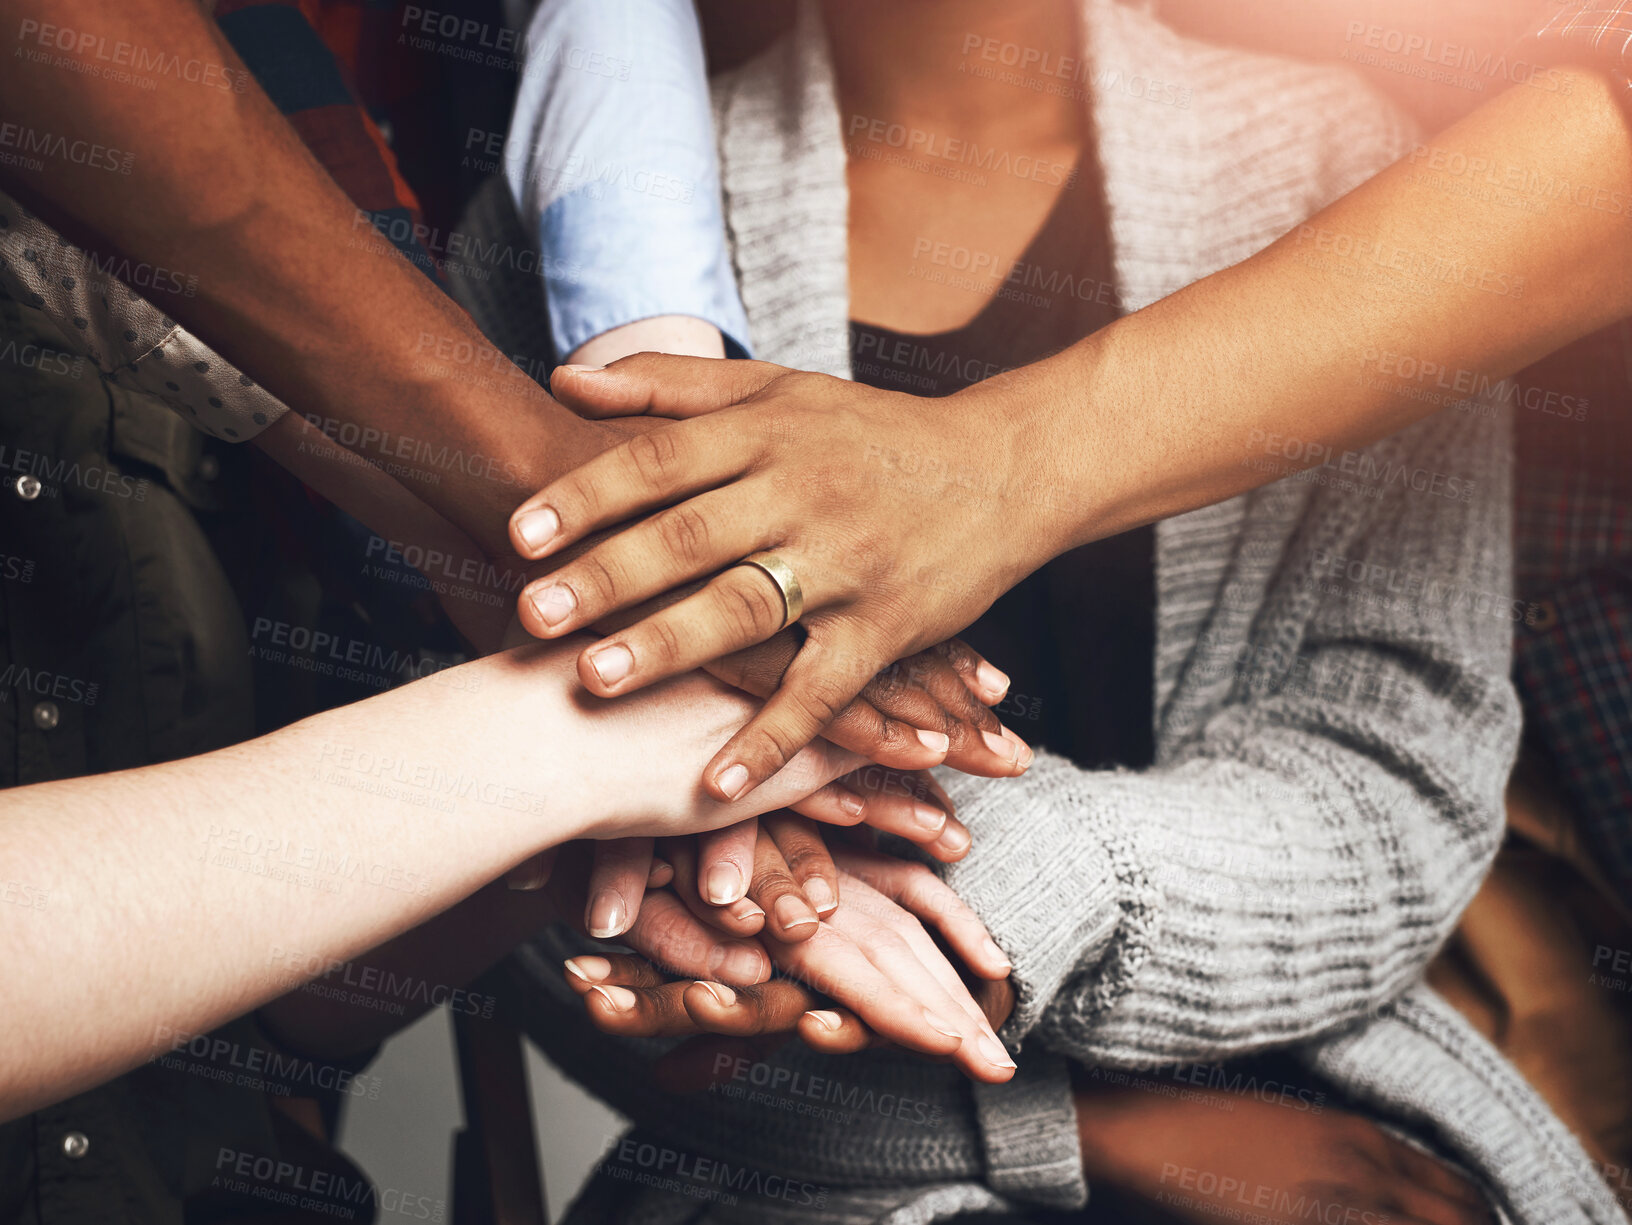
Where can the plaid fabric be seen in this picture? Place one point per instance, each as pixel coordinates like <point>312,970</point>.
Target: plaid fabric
<point>279,42</point>
<point>1573,553</point>
<point>1596,33</point>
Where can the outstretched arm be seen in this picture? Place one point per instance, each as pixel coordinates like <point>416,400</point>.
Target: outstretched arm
<point>1323,342</point>
<point>336,834</point>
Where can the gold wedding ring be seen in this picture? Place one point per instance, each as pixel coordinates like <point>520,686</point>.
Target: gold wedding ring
<point>780,573</point>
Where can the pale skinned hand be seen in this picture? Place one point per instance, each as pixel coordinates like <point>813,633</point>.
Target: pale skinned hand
<point>813,468</point>
<point>872,956</point>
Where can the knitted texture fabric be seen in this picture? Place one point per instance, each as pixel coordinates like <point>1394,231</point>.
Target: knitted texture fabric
<point>1328,788</point>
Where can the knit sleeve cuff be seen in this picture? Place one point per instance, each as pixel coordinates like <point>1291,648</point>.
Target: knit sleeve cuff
<point>1029,1129</point>
<point>1044,879</point>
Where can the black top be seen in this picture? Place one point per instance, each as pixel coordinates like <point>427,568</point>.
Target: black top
<point>1077,638</point>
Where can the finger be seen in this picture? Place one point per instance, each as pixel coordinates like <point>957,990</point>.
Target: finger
<point>643,1012</point>
<point>646,471</point>
<point>725,862</point>
<point>898,803</point>
<point>926,691</point>
<point>926,896</point>
<point>833,963</point>
<point>808,860</point>
<point>1454,1197</point>
<point>617,882</point>
<point>810,697</point>
<point>671,548</point>
<point>789,916</point>
<point>836,1031</point>
<point>742,917</point>
<point>660,385</point>
<point>611,969</point>
<point>860,727</point>
<point>770,1008</point>
<point>532,874</point>
<point>924,976</point>
<point>989,684</point>
<point>737,609</point>
<point>671,936</point>
<point>662,873</point>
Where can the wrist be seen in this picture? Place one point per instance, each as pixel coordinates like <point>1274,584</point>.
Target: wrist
<point>1028,495</point>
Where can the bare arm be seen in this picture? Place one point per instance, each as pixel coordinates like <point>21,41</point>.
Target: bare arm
<point>1186,402</point>
<point>293,284</point>
<point>330,836</point>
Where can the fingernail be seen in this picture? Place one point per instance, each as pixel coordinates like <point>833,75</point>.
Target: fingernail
<point>938,741</point>
<point>722,994</point>
<point>538,527</point>
<point>1023,753</point>
<point>739,964</point>
<point>661,870</point>
<point>992,1051</point>
<point>991,680</point>
<point>618,999</point>
<point>792,912</point>
<point>820,895</point>
<point>528,882</point>
<point>827,1020</point>
<point>612,663</point>
<point>744,911</point>
<point>997,955</point>
<point>554,604</point>
<point>955,839</point>
<point>941,1026</point>
<point>724,884</point>
<point>607,915</point>
<point>1005,748</point>
<point>579,368</point>
<point>733,780</point>
<point>590,969</point>
<point>851,802</point>
<point>928,818</point>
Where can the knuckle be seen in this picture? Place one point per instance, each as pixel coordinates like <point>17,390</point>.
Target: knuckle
<point>596,580</point>
<point>653,456</point>
<point>750,607</point>
<point>685,533</point>
<point>662,642</point>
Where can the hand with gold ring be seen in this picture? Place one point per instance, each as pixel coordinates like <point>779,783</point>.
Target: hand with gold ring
<point>889,562</point>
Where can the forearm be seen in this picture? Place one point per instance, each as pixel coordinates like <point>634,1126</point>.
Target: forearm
<point>1324,338</point>
<point>310,838</point>
<point>293,283</point>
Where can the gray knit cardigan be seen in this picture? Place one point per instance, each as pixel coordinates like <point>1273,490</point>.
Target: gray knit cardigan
<point>1331,752</point>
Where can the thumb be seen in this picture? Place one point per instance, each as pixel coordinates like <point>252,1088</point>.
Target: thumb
<point>660,385</point>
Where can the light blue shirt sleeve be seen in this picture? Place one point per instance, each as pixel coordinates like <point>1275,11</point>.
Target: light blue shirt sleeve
<point>612,164</point>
